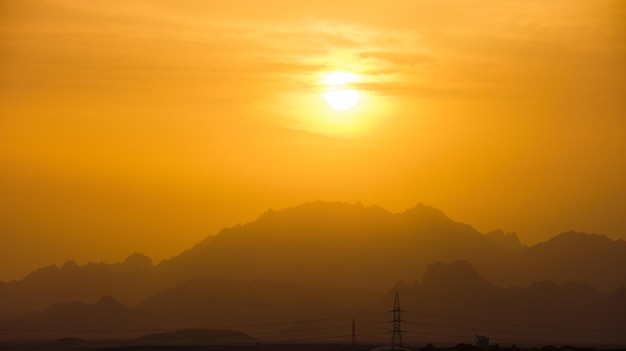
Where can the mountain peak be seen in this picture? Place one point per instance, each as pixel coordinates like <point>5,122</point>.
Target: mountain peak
<point>108,303</point>
<point>578,240</point>
<point>574,235</point>
<point>428,216</point>
<point>138,260</point>
<point>70,266</point>
<point>43,273</point>
<point>455,274</point>
<point>576,256</point>
<point>323,208</point>
<point>508,241</point>
<point>318,214</point>
<point>423,210</point>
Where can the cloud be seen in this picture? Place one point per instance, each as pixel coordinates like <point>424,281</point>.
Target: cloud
<point>399,58</point>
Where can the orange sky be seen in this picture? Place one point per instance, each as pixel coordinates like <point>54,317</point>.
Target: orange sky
<point>146,125</point>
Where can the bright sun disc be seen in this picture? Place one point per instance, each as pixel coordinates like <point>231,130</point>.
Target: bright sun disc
<point>343,99</point>
<point>340,95</point>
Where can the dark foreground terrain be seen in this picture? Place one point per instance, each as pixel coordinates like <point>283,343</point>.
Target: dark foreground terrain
<point>71,344</point>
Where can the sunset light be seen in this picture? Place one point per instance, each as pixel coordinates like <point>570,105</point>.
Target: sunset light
<point>340,93</point>
<point>278,175</point>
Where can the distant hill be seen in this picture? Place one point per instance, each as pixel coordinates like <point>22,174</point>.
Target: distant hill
<point>356,246</point>
<point>341,245</point>
<point>450,304</point>
<point>106,314</point>
<point>337,245</point>
<point>128,281</point>
<point>589,258</point>
<point>454,298</point>
<point>212,302</point>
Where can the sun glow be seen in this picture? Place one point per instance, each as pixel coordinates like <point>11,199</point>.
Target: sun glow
<point>340,93</point>
<point>336,104</point>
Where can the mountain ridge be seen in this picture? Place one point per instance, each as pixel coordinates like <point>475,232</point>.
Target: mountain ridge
<point>328,243</point>
<point>346,235</point>
<point>454,292</point>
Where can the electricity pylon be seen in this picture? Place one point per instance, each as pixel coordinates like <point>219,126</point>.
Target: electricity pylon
<point>396,338</point>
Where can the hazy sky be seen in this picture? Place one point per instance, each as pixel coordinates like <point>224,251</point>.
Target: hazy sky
<point>146,125</point>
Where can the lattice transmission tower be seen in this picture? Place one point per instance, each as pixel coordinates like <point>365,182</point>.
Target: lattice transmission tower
<point>396,338</point>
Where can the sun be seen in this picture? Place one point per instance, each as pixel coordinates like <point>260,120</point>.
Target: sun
<point>340,93</point>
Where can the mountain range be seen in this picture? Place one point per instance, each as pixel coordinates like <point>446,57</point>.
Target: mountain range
<point>450,300</point>
<point>326,259</point>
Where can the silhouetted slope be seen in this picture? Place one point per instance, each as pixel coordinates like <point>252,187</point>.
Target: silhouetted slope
<point>571,256</point>
<point>452,289</point>
<point>451,303</point>
<point>338,244</point>
<point>213,302</point>
<point>106,314</point>
<point>334,244</point>
<point>508,241</point>
<point>453,298</point>
<point>129,281</point>
<point>455,276</point>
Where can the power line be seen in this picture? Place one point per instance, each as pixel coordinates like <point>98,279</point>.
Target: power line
<point>516,335</point>
<point>396,338</point>
<point>621,332</point>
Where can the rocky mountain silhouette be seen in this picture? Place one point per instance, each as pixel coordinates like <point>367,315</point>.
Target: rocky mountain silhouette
<point>128,281</point>
<point>340,246</point>
<point>106,315</point>
<point>454,297</point>
<point>212,302</point>
<point>572,256</point>
<point>507,241</point>
<point>450,301</point>
<point>356,246</point>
